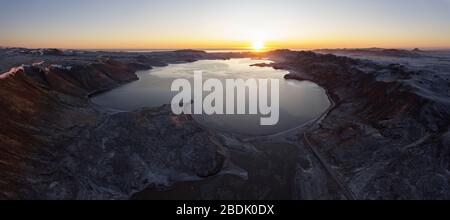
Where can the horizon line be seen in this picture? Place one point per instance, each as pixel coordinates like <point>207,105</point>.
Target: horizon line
<point>232,48</point>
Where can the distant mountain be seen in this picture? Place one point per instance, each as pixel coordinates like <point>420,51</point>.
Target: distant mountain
<point>51,51</point>
<point>189,51</point>
<point>416,53</point>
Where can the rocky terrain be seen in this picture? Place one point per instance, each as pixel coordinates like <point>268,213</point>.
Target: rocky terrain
<point>56,144</point>
<point>386,137</point>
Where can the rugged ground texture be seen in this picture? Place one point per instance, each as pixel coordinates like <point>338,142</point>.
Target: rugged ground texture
<point>55,144</point>
<point>387,136</point>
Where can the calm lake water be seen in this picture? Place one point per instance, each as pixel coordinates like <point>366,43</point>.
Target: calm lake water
<point>300,101</point>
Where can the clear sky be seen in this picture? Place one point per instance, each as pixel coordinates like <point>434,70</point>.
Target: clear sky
<point>224,23</point>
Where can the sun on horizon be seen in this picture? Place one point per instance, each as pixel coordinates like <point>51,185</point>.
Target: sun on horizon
<point>258,45</point>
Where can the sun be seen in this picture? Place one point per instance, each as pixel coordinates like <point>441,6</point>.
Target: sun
<point>258,45</point>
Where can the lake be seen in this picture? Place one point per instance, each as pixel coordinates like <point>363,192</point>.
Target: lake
<point>300,101</point>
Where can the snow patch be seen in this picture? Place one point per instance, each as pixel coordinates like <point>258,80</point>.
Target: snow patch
<point>61,67</point>
<point>12,71</point>
<point>38,63</point>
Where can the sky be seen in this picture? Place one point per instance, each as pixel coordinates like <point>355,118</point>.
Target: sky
<point>207,24</point>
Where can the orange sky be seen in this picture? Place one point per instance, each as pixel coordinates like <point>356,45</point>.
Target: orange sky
<point>159,24</point>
